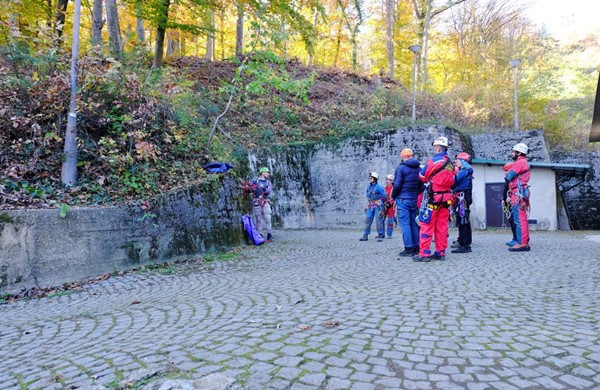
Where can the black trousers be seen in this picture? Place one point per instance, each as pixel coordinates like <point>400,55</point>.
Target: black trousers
<point>465,236</point>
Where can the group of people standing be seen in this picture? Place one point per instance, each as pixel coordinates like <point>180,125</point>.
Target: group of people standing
<point>424,198</point>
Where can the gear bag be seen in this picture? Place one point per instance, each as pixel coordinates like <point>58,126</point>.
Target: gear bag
<point>255,237</point>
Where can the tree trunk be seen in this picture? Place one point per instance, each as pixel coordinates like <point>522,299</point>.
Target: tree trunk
<point>389,10</point>
<point>68,173</point>
<point>13,29</point>
<point>338,44</point>
<point>139,28</point>
<point>313,38</point>
<point>239,31</point>
<point>97,23</point>
<point>283,39</point>
<point>210,38</point>
<point>114,30</point>
<point>170,44</point>
<point>424,18</point>
<point>354,43</point>
<point>222,34</point>
<point>59,21</point>
<point>49,13</point>
<point>163,18</point>
<point>426,25</point>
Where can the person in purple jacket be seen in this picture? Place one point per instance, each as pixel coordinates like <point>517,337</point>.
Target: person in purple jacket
<point>407,187</point>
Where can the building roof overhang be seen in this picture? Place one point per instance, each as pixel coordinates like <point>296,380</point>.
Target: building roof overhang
<point>561,169</point>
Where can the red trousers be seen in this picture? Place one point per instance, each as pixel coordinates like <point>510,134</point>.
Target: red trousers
<point>438,228</point>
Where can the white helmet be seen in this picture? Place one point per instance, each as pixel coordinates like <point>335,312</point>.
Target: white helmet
<point>374,175</point>
<point>442,141</point>
<point>521,148</point>
<point>390,177</point>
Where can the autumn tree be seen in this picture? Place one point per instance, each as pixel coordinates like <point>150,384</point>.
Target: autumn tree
<point>114,28</point>
<point>425,11</point>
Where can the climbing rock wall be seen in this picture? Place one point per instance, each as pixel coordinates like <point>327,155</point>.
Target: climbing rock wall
<point>40,249</point>
<point>324,185</point>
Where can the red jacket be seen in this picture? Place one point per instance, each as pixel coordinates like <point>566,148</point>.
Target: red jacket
<point>439,172</point>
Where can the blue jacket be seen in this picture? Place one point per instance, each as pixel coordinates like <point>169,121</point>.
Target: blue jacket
<point>375,191</point>
<point>463,181</point>
<point>407,184</point>
<point>263,188</point>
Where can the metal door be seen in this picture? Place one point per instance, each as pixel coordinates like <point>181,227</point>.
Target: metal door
<point>493,208</point>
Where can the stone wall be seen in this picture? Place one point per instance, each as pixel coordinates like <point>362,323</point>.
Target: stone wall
<point>498,145</point>
<point>40,249</point>
<point>315,186</point>
<point>582,199</point>
<point>324,185</point>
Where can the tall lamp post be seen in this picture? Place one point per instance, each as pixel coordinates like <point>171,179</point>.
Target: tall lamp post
<point>415,49</point>
<point>515,63</point>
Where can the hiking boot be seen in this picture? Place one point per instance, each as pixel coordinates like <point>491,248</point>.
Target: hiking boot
<point>454,246</point>
<point>416,250</point>
<point>421,259</point>
<point>390,237</point>
<point>437,256</point>
<point>519,248</point>
<point>462,249</point>
<point>512,243</point>
<point>364,238</point>
<point>407,252</point>
<point>269,237</point>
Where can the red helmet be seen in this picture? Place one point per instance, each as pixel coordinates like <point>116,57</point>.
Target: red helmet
<point>464,156</point>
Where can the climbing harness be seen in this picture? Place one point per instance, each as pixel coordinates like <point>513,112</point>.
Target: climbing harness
<point>462,209</point>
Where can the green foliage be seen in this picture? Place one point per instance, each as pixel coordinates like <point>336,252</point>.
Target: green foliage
<point>64,210</point>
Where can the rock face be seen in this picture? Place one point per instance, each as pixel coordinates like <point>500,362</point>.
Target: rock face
<point>582,199</point>
<point>40,249</point>
<point>324,185</point>
<point>498,146</point>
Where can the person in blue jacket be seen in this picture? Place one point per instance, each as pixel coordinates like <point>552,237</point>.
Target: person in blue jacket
<point>376,197</point>
<point>407,187</point>
<point>463,197</point>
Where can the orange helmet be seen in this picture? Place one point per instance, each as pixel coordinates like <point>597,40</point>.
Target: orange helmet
<point>464,156</point>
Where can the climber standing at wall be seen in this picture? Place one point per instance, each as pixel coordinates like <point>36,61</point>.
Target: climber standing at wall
<point>389,208</point>
<point>261,202</point>
<point>518,178</point>
<point>438,176</point>
<point>374,211</point>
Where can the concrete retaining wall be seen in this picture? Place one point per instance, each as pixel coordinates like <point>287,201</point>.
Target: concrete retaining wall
<point>40,249</point>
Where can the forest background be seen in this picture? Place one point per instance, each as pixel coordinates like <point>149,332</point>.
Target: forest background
<point>165,86</point>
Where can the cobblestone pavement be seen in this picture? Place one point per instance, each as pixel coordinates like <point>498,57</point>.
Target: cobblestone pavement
<point>319,309</point>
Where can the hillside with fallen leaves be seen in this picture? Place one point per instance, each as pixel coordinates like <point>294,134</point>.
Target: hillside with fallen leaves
<point>143,132</point>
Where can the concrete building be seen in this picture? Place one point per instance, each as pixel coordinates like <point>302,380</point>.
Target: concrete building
<point>547,203</point>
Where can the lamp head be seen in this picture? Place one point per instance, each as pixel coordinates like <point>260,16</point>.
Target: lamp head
<point>415,48</point>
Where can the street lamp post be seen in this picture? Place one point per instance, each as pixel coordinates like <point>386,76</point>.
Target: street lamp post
<point>415,49</point>
<point>515,63</point>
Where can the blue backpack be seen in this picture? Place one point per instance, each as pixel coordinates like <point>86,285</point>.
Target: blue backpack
<point>217,167</point>
<point>255,237</point>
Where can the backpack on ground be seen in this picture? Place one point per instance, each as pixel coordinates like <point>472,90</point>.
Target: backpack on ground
<point>255,237</point>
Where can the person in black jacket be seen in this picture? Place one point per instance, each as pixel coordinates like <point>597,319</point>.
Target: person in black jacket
<point>407,187</point>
